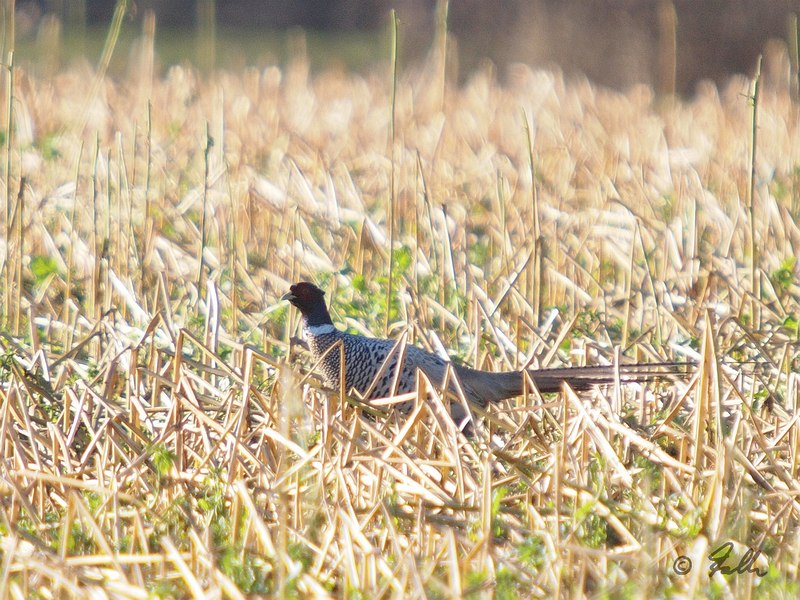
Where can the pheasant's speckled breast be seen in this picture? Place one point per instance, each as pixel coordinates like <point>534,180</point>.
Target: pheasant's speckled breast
<point>364,358</point>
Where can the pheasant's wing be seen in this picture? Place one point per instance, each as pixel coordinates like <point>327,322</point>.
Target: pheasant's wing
<point>433,366</point>
<point>480,387</point>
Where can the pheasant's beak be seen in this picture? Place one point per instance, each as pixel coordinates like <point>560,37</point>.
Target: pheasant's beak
<point>288,296</point>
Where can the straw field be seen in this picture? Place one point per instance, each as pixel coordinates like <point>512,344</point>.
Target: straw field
<point>163,435</point>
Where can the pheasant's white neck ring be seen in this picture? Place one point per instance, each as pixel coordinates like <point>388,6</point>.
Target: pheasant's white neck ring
<point>320,329</point>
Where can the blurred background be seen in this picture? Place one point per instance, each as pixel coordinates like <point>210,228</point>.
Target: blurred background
<point>670,44</point>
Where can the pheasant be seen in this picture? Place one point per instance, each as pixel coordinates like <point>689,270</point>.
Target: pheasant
<point>365,357</point>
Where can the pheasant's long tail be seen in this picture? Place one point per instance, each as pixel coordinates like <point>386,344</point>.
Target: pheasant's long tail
<point>484,386</point>
<point>583,378</point>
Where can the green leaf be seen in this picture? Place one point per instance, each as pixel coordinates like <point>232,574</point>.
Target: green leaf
<point>163,459</point>
<point>42,267</point>
<point>360,284</point>
<point>402,259</point>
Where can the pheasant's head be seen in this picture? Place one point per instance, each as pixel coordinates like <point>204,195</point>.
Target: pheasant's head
<point>310,301</point>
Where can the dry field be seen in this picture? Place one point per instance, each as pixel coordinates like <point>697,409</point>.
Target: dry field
<point>157,441</point>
